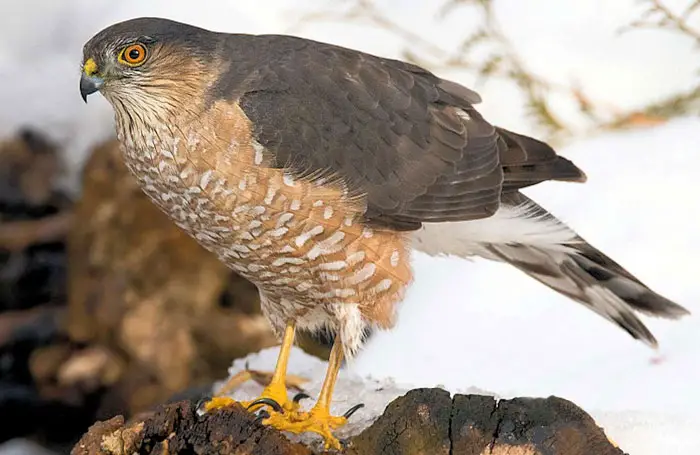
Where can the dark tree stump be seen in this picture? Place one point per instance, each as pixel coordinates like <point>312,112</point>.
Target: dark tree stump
<point>424,421</point>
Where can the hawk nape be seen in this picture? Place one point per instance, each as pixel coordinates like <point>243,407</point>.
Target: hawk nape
<point>313,170</point>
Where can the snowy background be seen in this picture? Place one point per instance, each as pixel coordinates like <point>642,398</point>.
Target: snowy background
<point>460,325</point>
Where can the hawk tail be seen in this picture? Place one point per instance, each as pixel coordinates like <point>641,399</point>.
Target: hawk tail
<point>528,237</point>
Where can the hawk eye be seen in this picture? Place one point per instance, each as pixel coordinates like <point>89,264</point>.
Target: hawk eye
<point>132,55</point>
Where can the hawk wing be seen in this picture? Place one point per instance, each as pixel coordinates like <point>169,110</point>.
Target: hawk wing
<point>410,142</point>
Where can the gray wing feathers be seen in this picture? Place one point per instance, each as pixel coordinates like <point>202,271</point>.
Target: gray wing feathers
<point>413,144</point>
<point>409,141</point>
<point>527,161</point>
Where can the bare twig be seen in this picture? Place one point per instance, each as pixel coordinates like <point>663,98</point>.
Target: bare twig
<point>659,16</point>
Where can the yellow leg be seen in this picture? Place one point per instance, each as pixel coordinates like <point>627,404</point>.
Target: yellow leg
<point>318,419</point>
<point>276,390</point>
<point>261,377</point>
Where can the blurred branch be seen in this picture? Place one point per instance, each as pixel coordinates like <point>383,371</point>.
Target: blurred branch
<point>18,235</point>
<point>503,61</point>
<point>673,106</point>
<point>659,16</point>
<point>366,12</point>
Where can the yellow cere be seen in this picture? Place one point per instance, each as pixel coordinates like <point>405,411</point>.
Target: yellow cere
<point>90,67</point>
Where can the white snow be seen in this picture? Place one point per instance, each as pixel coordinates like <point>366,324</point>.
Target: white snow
<point>476,324</point>
<point>23,447</point>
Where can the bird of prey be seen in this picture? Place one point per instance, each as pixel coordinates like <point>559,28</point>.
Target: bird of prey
<point>313,170</point>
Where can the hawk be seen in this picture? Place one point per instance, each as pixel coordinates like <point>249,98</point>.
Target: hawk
<point>313,170</point>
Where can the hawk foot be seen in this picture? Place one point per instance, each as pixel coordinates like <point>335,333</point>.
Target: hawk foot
<point>274,396</point>
<point>318,420</point>
<point>274,393</point>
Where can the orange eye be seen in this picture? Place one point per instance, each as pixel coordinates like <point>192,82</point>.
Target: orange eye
<point>133,55</point>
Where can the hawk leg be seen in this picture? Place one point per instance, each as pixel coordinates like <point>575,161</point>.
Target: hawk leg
<point>318,419</point>
<point>275,393</point>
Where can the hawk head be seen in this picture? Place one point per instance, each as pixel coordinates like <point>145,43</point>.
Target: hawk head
<point>147,63</point>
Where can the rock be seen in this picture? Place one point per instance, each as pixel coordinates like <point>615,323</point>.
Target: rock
<point>423,421</point>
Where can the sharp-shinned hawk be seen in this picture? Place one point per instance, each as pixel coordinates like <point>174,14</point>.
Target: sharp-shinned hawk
<point>313,170</point>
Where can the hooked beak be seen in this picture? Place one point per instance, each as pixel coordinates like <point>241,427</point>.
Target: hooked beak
<point>90,82</point>
<point>89,85</point>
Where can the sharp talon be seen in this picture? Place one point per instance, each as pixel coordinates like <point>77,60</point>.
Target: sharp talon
<point>199,404</point>
<point>352,410</point>
<point>262,415</point>
<point>300,396</point>
<point>268,401</point>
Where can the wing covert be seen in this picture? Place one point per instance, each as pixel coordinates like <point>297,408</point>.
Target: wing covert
<point>410,142</point>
